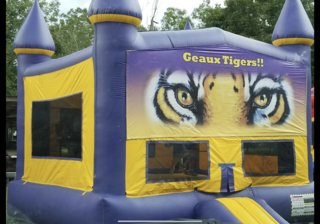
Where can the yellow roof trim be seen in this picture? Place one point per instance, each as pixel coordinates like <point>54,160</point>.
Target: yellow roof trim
<point>285,41</point>
<point>33,51</point>
<point>115,18</point>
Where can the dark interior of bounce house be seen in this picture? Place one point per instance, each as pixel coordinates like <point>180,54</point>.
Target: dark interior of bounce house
<point>193,124</point>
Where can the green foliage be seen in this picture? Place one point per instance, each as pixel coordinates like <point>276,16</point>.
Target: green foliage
<point>141,28</point>
<point>71,32</point>
<point>174,19</point>
<point>207,16</point>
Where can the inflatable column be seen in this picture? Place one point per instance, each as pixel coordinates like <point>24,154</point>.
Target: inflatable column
<point>33,44</point>
<point>115,29</point>
<point>294,32</point>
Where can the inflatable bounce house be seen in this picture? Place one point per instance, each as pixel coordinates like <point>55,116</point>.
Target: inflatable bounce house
<point>191,124</point>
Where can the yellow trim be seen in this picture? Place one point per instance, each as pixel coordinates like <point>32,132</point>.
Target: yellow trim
<point>33,51</point>
<point>285,41</point>
<point>247,210</point>
<point>114,18</point>
<point>75,174</point>
<point>312,119</point>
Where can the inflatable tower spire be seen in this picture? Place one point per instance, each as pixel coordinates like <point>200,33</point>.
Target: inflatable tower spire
<point>188,25</point>
<point>115,29</point>
<point>293,25</point>
<point>33,44</point>
<point>34,36</point>
<point>294,32</point>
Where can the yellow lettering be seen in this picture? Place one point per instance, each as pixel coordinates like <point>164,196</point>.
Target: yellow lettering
<point>236,63</point>
<point>248,62</point>
<point>254,63</point>
<point>243,62</point>
<point>187,56</point>
<point>210,60</point>
<point>225,59</point>
<point>202,59</point>
<point>195,58</point>
<point>216,60</point>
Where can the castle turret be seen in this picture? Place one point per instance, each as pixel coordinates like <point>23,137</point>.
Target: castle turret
<point>188,25</point>
<point>34,36</point>
<point>122,11</point>
<point>293,25</point>
<point>294,32</point>
<point>33,44</point>
<point>115,29</point>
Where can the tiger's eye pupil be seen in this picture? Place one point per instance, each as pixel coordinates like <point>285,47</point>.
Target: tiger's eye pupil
<point>184,97</point>
<point>261,100</point>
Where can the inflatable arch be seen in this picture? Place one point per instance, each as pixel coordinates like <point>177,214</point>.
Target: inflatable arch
<point>192,124</point>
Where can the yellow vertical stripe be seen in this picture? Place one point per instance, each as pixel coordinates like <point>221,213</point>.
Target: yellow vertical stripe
<point>247,211</point>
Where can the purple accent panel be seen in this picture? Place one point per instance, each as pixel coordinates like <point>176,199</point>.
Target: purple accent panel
<point>34,32</point>
<point>230,178</point>
<point>272,212</point>
<point>24,61</point>
<point>162,207</point>
<point>152,40</point>
<point>226,164</point>
<point>224,179</point>
<point>112,40</point>
<point>124,7</point>
<point>305,52</point>
<point>214,209</point>
<point>278,198</point>
<point>60,63</point>
<point>293,22</point>
<point>188,25</point>
<point>193,38</point>
<point>52,204</point>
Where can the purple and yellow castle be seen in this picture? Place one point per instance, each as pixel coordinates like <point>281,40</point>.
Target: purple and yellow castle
<point>161,125</point>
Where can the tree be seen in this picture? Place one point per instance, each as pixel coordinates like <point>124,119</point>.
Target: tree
<point>72,33</point>
<point>207,16</point>
<point>154,13</point>
<point>141,28</point>
<point>174,19</point>
<point>16,12</point>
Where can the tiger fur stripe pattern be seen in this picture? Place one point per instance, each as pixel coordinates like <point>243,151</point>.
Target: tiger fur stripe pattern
<point>202,98</point>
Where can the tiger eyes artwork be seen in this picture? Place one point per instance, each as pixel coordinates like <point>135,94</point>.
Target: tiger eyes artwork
<point>213,92</point>
<point>210,98</point>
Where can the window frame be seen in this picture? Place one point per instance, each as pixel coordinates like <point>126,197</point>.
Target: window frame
<point>55,157</point>
<point>265,175</point>
<point>176,180</point>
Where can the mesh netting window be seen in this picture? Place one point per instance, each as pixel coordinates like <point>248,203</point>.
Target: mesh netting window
<point>177,160</point>
<point>57,127</point>
<point>268,158</point>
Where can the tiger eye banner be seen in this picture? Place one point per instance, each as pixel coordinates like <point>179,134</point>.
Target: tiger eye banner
<point>213,91</point>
